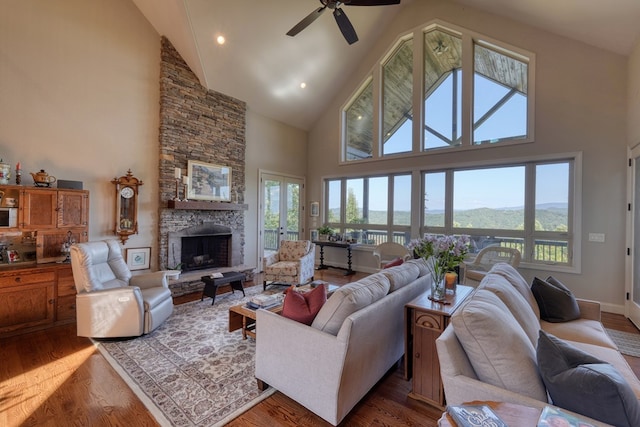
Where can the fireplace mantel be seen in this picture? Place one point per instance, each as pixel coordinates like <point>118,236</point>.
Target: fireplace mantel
<point>206,206</point>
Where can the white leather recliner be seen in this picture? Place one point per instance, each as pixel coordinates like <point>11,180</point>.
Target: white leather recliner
<point>111,302</point>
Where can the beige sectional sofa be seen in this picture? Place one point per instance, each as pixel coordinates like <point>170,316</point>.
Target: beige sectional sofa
<point>357,336</point>
<point>488,351</point>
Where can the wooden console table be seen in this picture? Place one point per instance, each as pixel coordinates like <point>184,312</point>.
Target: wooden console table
<point>344,245</point>
<point>425,320</point>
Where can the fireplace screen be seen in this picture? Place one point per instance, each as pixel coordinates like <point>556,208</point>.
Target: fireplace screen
<point>210,251</point>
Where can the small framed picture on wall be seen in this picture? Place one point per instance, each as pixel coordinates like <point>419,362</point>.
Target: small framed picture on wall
<point>314,209</point>
<point>138,258</point>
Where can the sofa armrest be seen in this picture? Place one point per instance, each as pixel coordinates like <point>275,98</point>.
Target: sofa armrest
<point>589,309</point>
<point>150,280</point>
<point>270,260</point>
<point>116,312</point>
<point>300,361</point>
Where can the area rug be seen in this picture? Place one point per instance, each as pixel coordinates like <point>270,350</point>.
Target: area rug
<point>191,371</point>
<point>628,343</point>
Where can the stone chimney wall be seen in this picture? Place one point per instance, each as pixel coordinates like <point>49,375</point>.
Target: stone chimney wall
<point>203,125</point>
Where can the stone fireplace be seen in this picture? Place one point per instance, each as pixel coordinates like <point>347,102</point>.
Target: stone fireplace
<point>207,126</point>
<point>204,246</point>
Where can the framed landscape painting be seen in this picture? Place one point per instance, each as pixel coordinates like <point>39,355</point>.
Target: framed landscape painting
<point>209,182</point>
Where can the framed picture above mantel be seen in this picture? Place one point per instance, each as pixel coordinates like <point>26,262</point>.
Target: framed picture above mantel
<point>208,181</point>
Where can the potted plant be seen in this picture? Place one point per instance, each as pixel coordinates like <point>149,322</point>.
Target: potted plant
<point>325,231</point>
<point>174,272</point>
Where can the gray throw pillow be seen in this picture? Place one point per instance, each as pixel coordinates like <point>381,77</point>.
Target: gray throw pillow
<point>581,383</point>
<point>555,300</point>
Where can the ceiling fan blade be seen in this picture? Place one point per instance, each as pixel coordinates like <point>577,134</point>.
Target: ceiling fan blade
<point>306,21</point>
<point>345,26</point>
<point>370,2</point>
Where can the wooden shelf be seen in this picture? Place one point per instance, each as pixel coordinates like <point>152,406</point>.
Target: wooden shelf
<point>206,206</point>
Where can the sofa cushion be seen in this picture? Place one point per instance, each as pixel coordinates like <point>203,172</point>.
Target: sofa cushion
<point>303,307</point>
<point>499,350</point>
<point>585,384</point>
<point>510,273</point>
<point>349,299</point>
<point>421,263</point>
<point>516,304</point>
<point>401,275</point>
<point>582,330</point>
<point>557,303</point>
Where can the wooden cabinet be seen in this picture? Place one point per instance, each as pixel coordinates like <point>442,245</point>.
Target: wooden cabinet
<point>425,320</point>
<point>39,209</point>
<point>73,208</point>
<point>49,208</point>
<point>36,298</point>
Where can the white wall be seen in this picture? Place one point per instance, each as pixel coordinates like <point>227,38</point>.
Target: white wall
<point>79,85</point>
<point>634,97</point>
<point>272,147</point>
<point>581,105</point>
<point>79,97</point>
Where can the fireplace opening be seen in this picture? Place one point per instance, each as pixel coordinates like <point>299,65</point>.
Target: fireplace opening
<point>205,251</point>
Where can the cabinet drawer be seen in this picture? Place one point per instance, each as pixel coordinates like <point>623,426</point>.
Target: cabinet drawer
<point>66,308</point>
<point>25,279</point>
<point>429,321</point>
<point>66,285</point>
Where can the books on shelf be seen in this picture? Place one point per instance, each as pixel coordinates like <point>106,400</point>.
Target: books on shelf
<point>553,416</point>
<point>475,416</point>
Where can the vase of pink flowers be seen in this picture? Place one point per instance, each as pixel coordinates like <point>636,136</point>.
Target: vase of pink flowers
<point>443,254</point>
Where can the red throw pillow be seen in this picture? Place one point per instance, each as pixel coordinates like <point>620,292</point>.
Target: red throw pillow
<point>303,307</point>
<point>393,263</point>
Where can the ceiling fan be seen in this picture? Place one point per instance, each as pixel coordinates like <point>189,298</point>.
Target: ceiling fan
<point>343,22</point>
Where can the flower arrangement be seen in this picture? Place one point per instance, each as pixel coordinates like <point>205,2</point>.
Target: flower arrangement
<point>447,252</point>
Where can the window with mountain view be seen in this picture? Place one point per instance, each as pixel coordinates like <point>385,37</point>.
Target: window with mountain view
<point>497,99</point>
<point>524,206</point>
<point>371,210</point>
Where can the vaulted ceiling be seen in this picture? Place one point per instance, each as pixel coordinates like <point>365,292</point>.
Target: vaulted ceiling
<point>263,66</point>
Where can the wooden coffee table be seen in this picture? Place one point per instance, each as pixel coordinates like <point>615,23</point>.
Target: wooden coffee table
<point>244,318</point>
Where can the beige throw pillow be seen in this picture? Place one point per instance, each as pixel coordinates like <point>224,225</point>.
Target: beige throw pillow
<point>499,350</point>
<point>348,299</point>
<point>401,275</point>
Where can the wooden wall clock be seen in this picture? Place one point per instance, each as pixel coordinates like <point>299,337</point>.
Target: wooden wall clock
<point>126,205</point>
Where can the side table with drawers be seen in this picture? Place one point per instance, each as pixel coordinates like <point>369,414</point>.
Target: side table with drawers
<point>425,320</point>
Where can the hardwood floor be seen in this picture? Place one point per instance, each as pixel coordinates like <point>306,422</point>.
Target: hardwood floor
<point>54,378</point>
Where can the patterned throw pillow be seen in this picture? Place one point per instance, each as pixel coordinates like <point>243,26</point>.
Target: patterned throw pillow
<point>303,307</point>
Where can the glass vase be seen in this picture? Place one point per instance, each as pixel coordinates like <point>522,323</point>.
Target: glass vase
<point>438,290</point>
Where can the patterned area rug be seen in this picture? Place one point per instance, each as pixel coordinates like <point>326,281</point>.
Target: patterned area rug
<point>191,371</point>
<point>628,343</point>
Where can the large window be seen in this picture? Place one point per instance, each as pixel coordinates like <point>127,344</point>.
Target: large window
<point>371,210</point>
<point>526,206</point>
<point>494,107</point>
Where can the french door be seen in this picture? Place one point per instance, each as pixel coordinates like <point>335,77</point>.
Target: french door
<point>281,210</point>
<point>632,305</point>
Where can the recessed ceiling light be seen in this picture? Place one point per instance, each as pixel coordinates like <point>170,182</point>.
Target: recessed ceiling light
<point>220,39</point>
<point>303,85</point>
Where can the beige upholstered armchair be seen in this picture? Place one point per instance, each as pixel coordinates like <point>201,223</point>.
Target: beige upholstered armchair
<point>110,301</point>
<point>293,264</point>
<point>389,251</point>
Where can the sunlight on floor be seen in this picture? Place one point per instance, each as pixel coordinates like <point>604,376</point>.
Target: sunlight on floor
<point>50,377</point>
